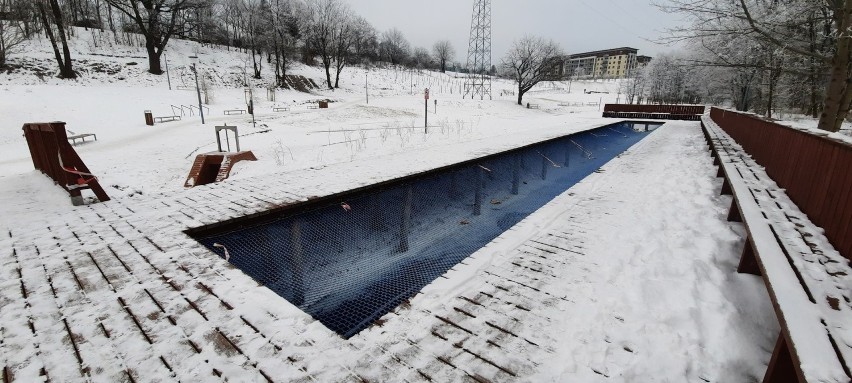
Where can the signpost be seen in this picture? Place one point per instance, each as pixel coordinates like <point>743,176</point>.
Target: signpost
<point>426,114</point>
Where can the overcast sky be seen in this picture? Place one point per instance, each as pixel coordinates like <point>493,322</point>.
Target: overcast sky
<point>577,25</point>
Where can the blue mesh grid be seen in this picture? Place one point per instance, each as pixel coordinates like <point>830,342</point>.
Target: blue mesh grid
<point>349,263</point>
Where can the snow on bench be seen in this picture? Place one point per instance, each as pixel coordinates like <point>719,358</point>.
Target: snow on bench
<point>234,111</point>
<point>808,281</point>
<point>81,137</point>
<point>281,109</point>
<point>533,106</point>
<point>166,118</point>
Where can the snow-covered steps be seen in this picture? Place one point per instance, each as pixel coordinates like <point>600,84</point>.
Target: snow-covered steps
<point>809,282</point>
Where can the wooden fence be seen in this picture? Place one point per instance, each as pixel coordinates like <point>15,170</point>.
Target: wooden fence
<point>816,171</point>
<point>55,157</point>
<point>658,112</point>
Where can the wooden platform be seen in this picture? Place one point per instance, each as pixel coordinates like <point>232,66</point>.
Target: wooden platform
<point>118,292</point>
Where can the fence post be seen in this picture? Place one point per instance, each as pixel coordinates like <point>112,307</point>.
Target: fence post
<point>477,198</point>
<point>297,260</point>
<point>516,174</point>
<point>405,223</point>
<point>567,153</point>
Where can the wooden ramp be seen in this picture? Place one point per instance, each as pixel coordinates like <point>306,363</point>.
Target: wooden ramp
<point>215,167</point>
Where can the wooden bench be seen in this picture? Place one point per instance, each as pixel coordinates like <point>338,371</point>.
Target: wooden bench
<point>808,281</point>
<point>234,111</point>
<point>313,106</point>
<point>81,137</point>
<point>533,106</point>
<point>281,109</point>
<point>167,118</point>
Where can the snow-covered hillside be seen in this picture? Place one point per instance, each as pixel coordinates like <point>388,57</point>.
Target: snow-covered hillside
<point>114,89</point>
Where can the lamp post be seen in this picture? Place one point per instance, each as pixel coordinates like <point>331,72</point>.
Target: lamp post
<point>194,59</point>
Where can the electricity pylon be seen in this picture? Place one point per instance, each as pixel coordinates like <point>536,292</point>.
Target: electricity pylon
<point>478,81</point>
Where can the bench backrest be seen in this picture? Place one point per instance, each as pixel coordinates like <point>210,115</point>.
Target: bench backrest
<point>54,156</point>
<point>670,109</point>
<point>816,171</point>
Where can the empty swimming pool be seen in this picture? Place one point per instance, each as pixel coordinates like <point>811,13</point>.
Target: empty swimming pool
<point>350,260</point>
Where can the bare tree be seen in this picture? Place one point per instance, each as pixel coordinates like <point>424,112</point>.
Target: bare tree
<point>157,20</point>
<point>394,47</point>
<point>633,86</point>
<point>16,19</point>
<point>812,34</point>
<point>285,30</point>
<point>443,52</point>
<point>66,67</point>
<point>669,81</point>
<point>11,37</point>
<point>256,21</point>
<point>530,61</point>
<point>327,20</point>
<point>365,40</point>
<point>421,59</point>
<point>344,38</point>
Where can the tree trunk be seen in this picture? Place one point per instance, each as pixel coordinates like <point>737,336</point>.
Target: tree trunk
<point>838,94</point>
<point>49,32</point>
<point>520,96</point>
<point>257,66</point>
<point>838,87</point>
<point>339,65</point>
<point>66,69</point>
<point>326,62</point>
<point>2,47</point>
<point>153,59</point>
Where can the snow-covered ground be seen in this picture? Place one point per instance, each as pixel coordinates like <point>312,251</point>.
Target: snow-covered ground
<point>654,295</point>
<point>131,158</point>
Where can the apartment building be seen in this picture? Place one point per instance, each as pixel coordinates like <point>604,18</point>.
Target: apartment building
<point>604,64</point>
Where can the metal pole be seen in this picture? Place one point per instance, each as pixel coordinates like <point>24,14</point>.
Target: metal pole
<point>516,174</point>
<point>426,115</point>
<point>198,91</point>
<point>477,196</point>
<point>168,78</point>
<point>297,261</point>
<point>367,85</point>
<point>405,223</point>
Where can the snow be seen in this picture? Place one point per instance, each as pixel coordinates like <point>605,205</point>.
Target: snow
<point>657,274</point>
<point>653,292</point>
<point>809,124</point>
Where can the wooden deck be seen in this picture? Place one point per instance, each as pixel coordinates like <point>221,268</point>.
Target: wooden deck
<point>117,292</point>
